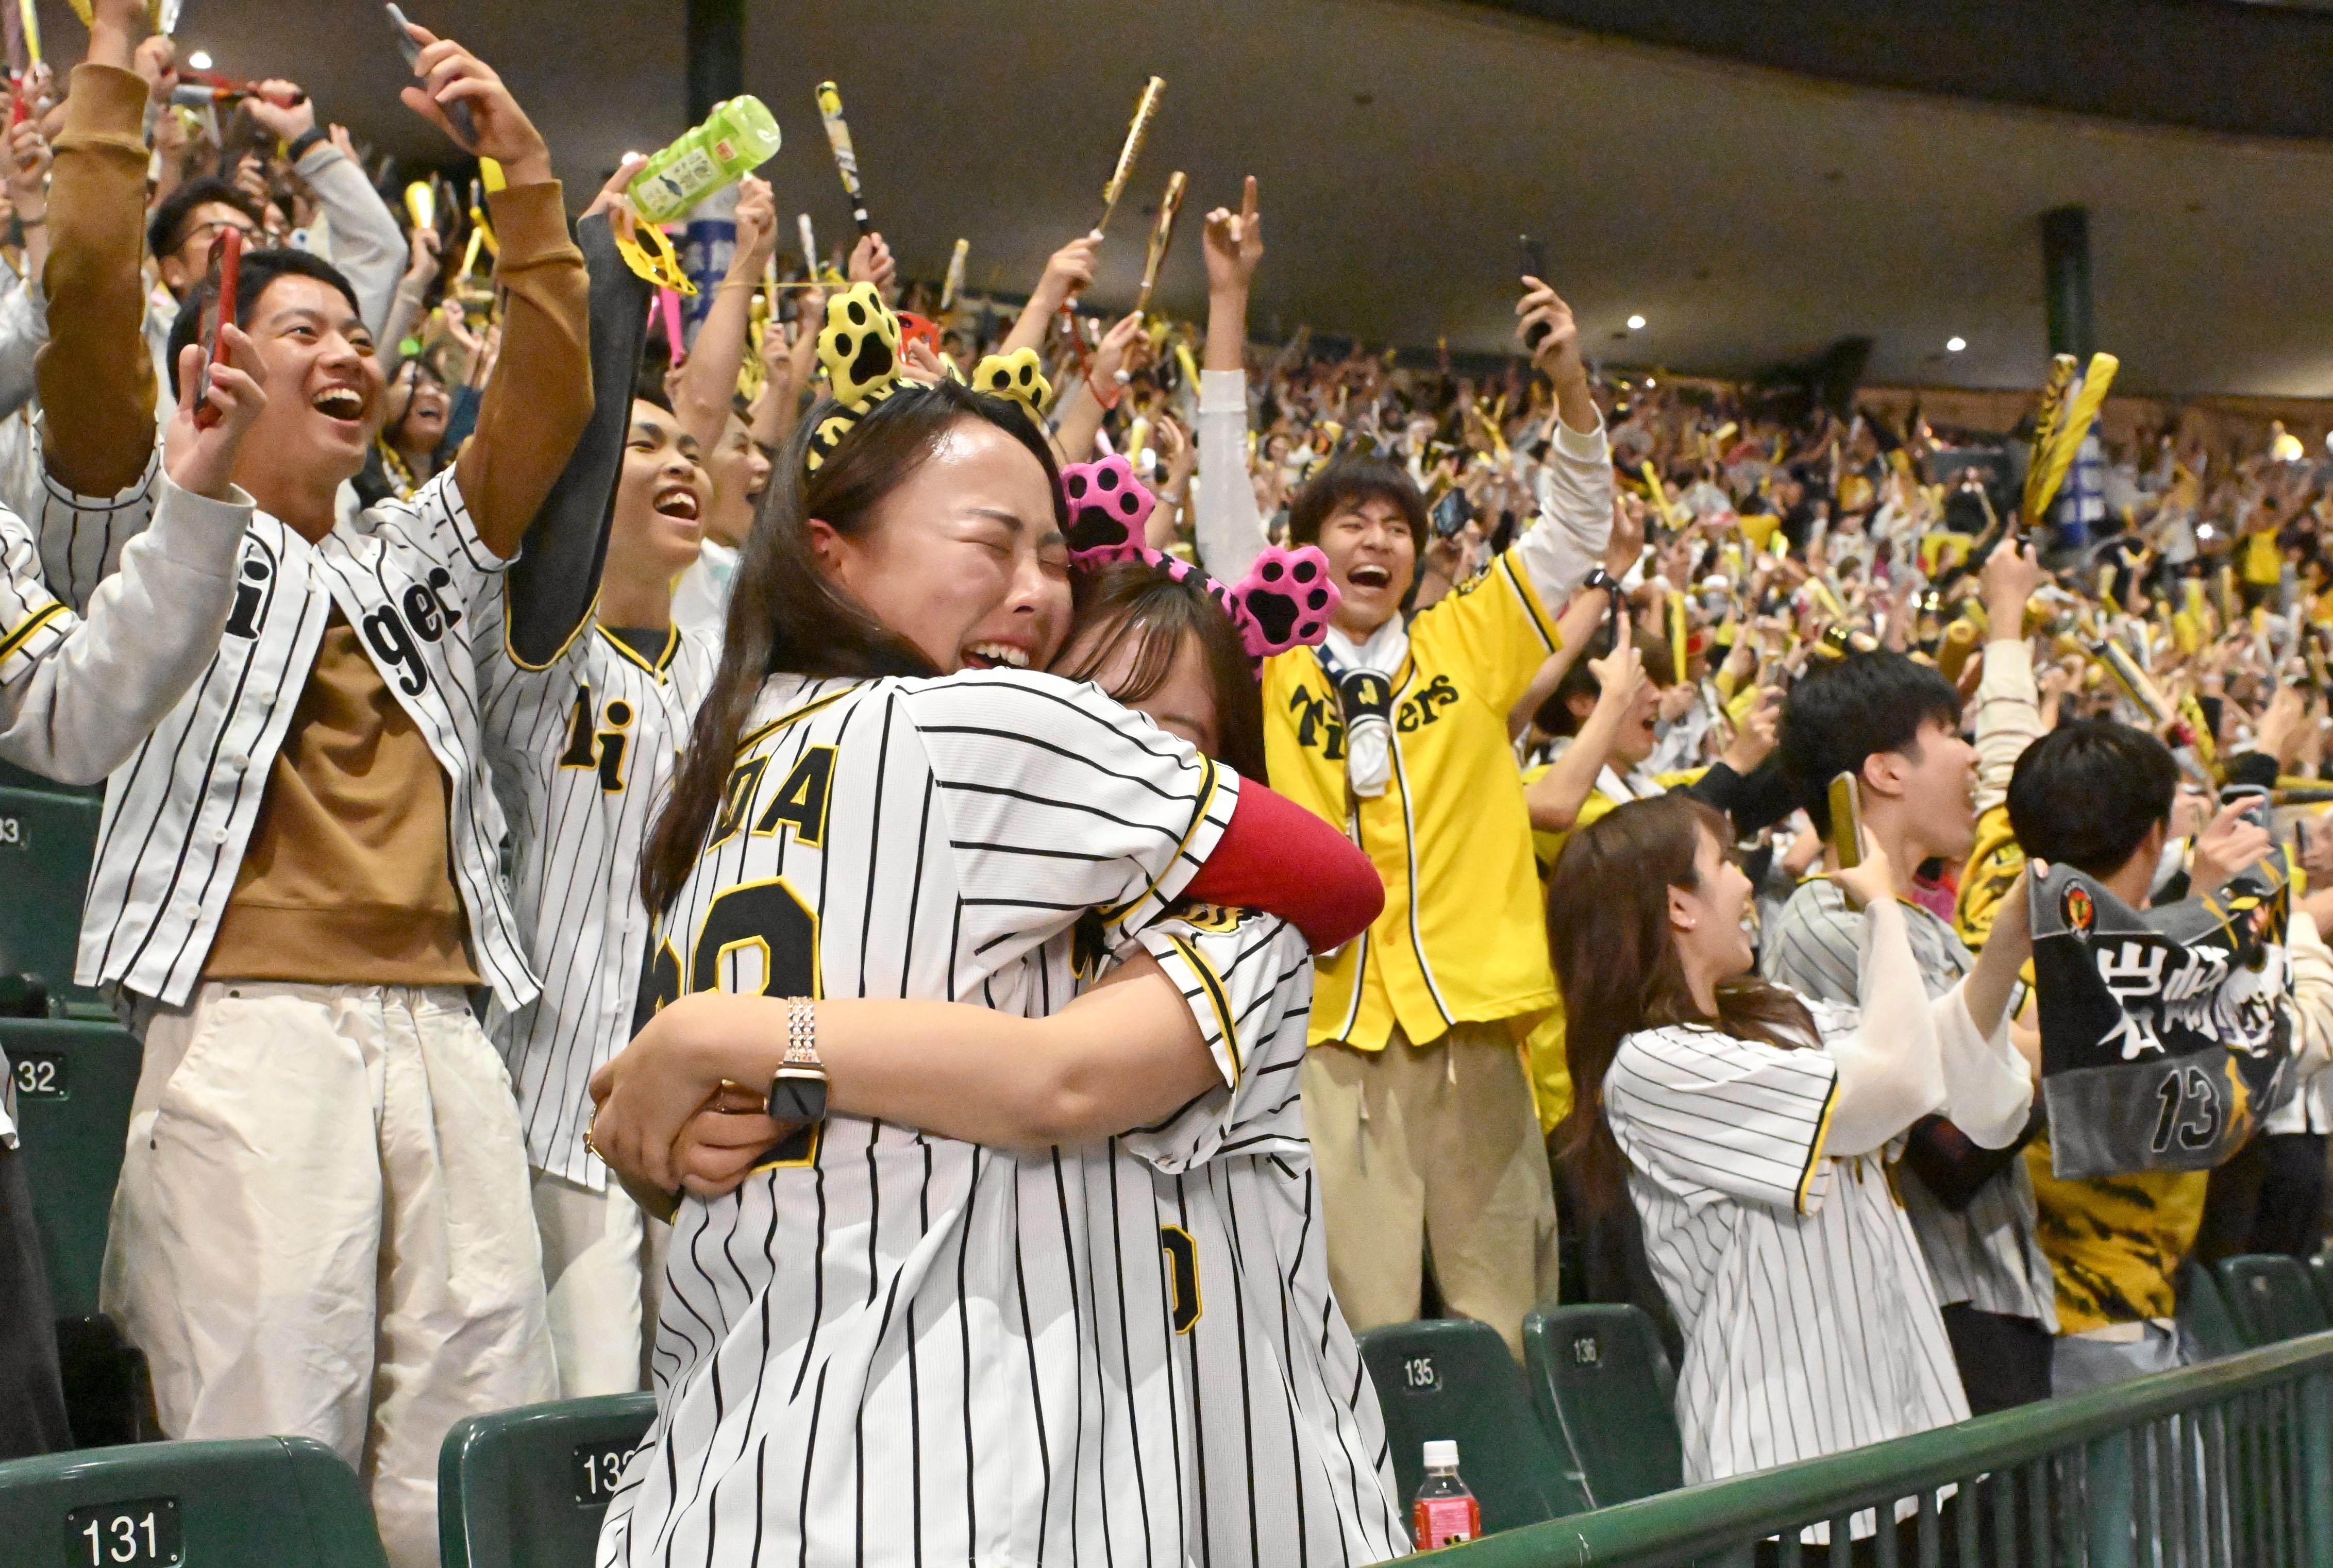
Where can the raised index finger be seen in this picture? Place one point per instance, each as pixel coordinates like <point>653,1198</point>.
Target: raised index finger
<point>1247,198</point>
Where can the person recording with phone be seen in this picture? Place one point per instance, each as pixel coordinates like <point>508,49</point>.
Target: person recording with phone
<point>1745,1125</point>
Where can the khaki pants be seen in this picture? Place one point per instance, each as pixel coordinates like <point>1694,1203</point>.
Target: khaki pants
<point>603,1264</point>
<point>322,1230</point>
<point>1432,1149</point>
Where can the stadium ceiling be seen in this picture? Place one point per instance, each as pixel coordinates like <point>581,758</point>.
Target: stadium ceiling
<point>1750,214</point>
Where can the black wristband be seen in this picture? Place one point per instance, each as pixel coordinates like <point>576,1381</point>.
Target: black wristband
<point>1598,578</point>
<point>307,138</point>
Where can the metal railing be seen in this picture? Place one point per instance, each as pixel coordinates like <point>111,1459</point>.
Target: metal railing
<point>2224,1465</point>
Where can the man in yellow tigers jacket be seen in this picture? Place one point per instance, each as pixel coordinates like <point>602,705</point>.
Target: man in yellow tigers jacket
<point>1415,1091</point>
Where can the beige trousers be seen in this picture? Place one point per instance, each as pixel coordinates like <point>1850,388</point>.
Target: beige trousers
<point>603,1266</point>
<point>1432,1150</point>
<point>322,1230</point>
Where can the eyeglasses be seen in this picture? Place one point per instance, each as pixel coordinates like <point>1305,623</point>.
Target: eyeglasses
<point>209,229</point>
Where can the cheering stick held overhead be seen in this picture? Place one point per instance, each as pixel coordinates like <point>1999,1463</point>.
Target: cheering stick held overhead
<point>1161,236</point>
<point>1145,110</point>
<point>846,161</point>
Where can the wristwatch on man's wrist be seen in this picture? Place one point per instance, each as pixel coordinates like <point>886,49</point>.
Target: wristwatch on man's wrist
<point>798,1093</point>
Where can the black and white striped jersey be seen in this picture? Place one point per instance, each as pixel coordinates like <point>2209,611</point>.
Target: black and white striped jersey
<point>1284,1449</point>
<point>1811,1323</point>
<point>407,576</point>
<point>583,752</point>
<point>886,1346</point>
<point>1986,1252</point>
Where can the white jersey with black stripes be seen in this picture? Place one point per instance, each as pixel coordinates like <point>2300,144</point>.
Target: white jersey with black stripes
<point>407,576</point>
<point>886,1346</point>
<point>1811,1323</point>
<point>1285,1450</point>
<point>582,752</point>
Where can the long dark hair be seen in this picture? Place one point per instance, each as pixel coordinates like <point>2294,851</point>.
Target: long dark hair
<point>1608,924</point>
<point>787,615</point>
<point>1133,599</point>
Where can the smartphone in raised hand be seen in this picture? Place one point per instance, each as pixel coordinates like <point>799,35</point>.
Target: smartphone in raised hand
<point>1534,265</point>
<point>1847,821</point>
<point>458,113</point>
<point>228,251</point>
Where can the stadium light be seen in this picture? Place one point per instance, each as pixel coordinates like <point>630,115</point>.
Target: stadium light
<point>200,60</point>
<point>1955,345</point>
<point>1636,323</point>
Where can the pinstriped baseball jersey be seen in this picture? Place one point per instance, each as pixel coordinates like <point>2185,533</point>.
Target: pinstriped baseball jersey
<point>886,1346</point>
<point>1809,1321</point>
<point>582,752</point>
<point>178,814</point>
<point>33,624</point>
<point>1283,1445</point>
<point>1988,1251</point>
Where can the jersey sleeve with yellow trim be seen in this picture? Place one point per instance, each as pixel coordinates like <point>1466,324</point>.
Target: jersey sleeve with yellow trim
<point>1491,631</point>
<point>1704,1114</point>
<point>1987,876</point>
<point>1247,979</point>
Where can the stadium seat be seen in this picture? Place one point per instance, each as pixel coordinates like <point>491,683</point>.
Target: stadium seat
<point>1452,1378</point>
<point>284,1502</point>
<point>47,841</point>
<point>1604,1391</point>
<point>2320,1274</point>
<point>2269,1296</point>
<point>526,1488</point>
<point>2203,1312</point>
<point>75,1082</point>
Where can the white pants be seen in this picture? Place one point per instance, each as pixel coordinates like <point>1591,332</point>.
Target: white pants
<point>322,1230</point>
<point>603,1264</point>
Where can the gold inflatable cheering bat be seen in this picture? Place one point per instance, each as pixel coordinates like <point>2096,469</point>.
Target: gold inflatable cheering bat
<point>1161,236</point>
<point>2135,682</point>
<point>2046,417</point>
<point>1145,111</point>
<point>2064,436</point>
<point>846,161</point>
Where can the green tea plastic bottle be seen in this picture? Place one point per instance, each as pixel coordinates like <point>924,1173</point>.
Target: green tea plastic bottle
<point>738,137</point>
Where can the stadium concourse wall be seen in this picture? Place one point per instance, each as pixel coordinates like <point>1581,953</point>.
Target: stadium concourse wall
<point>2228,1462</point>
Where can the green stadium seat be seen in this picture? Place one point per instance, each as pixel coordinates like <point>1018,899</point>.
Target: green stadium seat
<point>2269,1296</point>
<point>1452,1378</point>
<point>2320,1274</point>
<point>75,1082</point>
<point>284,1502</point>
<point>527,1488</point>
<point>46,842</point>
<point>1605,1393</point>
<point>2203,1312</point>
<point>14,778</point>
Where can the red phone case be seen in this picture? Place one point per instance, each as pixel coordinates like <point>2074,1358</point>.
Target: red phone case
<point>230,269</point>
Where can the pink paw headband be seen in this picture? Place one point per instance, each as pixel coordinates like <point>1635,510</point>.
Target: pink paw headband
<point>1284,601</point>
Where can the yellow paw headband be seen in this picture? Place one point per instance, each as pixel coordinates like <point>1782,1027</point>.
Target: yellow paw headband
<point>859,348</point>
<point>1017,376</point>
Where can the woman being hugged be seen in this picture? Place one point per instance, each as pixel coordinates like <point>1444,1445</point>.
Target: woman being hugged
<point>1748,1126</point>
<point>864,811</point>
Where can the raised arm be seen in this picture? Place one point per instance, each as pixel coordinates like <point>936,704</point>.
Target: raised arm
<point>1082,411</point>
<point>2008,704</point>
<point>708,381</point>
<point>1556,796</point>
<point>1890,1071</point>
<point>1067,270</point>
<point>96,377</point>
<point>77,697</point>
<point>367,246</point>
<point>539,398</point>
<point>1574,525</point>
<point>1225,521</point>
